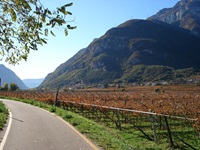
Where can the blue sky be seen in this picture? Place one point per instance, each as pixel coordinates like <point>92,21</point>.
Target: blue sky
<point>92,18</point>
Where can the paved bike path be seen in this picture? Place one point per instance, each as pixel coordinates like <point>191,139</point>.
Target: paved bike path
<point>35,129</point>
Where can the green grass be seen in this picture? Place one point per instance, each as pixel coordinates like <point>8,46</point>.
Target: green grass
<point>3,115</point>
<point>107,136</point>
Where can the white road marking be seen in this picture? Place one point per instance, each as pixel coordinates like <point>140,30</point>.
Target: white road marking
<point>7,131</point>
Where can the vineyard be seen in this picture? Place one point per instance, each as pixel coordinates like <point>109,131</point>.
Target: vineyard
<point>161,112</point>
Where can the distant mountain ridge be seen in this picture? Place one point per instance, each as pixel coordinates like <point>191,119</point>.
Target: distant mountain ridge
<point>137,50</point>
<point>33,83</point>
<point>8,76</point>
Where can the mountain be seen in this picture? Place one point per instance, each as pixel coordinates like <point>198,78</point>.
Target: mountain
<point>127,51</point>
<point>8,76</point>
<point>163,47</point>
<point>32,83</point>
<point>185,14</point>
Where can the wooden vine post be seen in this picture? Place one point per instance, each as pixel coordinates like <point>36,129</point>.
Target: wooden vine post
<point>118,122</point>
<point>169,132</point>
<point>153,126</point>
<point>57,100</point>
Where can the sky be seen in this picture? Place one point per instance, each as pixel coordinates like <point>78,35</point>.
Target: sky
<point>92,18</point>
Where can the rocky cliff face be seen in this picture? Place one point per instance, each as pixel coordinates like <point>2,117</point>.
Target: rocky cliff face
<point>185,14</point>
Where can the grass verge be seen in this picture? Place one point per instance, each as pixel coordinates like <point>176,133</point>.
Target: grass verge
<point>3,115</point>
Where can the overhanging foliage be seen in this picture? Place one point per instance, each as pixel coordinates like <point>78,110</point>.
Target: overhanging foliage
<point>25,24</point>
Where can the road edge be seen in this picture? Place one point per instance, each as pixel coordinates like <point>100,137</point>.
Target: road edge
<point>5,136</point>
<point>75,130</point>
<point>81,135</point>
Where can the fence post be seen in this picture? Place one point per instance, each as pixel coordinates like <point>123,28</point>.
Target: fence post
<point>153,126</point>
<point>57,100</point>
<point>118,123</point>
<point>169,132</point>
<point>82,110</point>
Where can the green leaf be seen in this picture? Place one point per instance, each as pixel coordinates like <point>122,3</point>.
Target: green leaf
<point>44,41</point>
<point>17,2</point>
<point>43,18</point>
<point>37,12</point>
<point>67,5</point>
<point>67,13</point>
<point>46,31</point>
<point>26,5</point>
<point>70,27</point>
<point>44,15</point>
<point>52,33</point>
<point>63,10</point>
<point>49,12</point>
<point>13,14</point>
<point>24,57</point>
<point>66,32</point>
<point>5,9</point>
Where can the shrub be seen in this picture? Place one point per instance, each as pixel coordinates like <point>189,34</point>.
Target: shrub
<point>157,90</point>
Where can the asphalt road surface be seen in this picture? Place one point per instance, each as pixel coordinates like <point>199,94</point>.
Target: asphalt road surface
<point>35,129</point>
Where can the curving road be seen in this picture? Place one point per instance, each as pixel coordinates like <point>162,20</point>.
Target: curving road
<point>35,129</point>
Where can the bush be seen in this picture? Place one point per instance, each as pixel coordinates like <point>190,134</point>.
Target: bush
<point>157,90</point>
<point>13,87</point>
<point>3,115</point>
